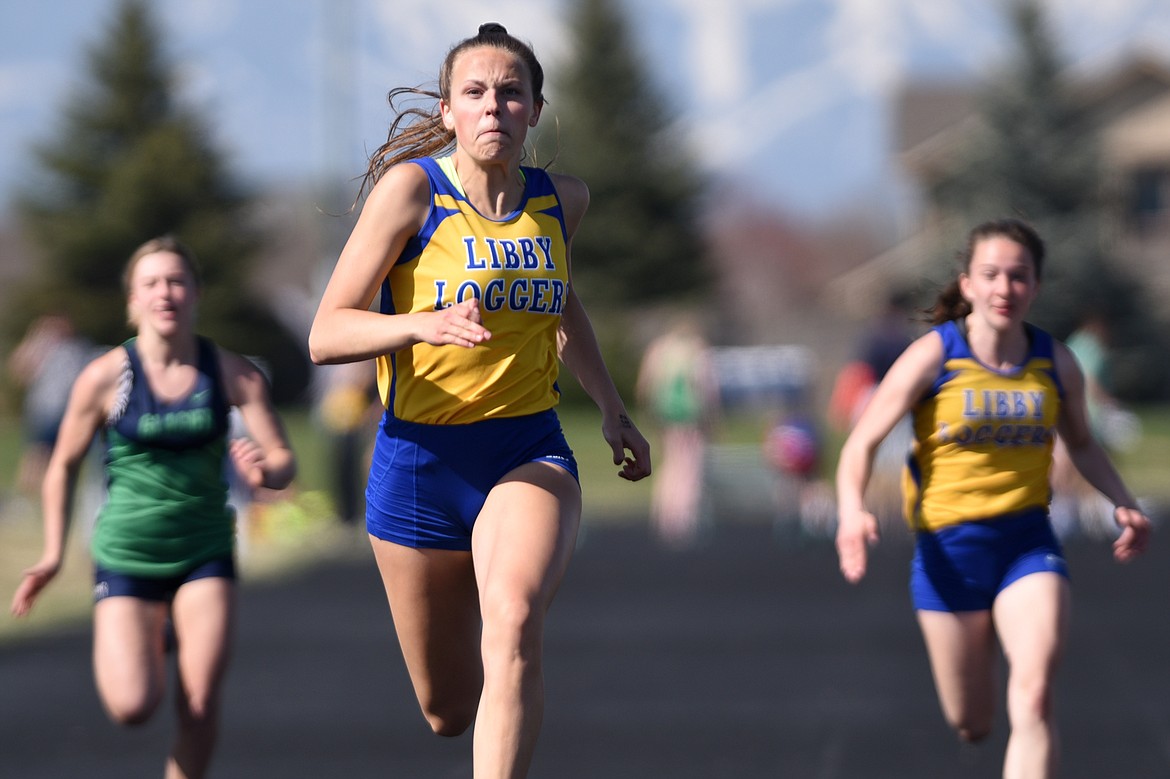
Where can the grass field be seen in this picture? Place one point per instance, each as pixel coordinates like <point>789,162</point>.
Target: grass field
<point>1145,467</point>
<point>299,526</point>
<point>293,529</point>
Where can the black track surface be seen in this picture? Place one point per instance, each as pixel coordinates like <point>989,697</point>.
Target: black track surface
<point>745,657</point>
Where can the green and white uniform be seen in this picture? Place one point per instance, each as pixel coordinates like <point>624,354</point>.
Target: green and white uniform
<point>167,507</point>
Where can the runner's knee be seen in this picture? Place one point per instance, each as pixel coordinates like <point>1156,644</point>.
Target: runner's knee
<point>130,710</point>
<point>971,728</point>
<point>1029,701</point>
<point>511,632</point>
<point>972,735</point>
<point>450,720</point>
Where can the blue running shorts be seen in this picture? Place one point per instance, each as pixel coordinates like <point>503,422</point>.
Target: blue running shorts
<point>428,483</point>
<point>108,584</point>
<point>964,567</point>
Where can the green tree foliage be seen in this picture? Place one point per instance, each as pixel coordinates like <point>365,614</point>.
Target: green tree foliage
<point>1037,156</point>
<point>640,242</point>
<point>128,162</point>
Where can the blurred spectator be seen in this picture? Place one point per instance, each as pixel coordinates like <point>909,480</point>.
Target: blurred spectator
<point>882,341</point>
<point>1117,428</point>
<point>888,335</point>
<point>347,402</point>
<point>1076,506</point>
<point>792,448</point>
<point>677,384</point>
<point>45,364</point>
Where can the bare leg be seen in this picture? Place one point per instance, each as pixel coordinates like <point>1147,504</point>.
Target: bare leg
<point>434,603</point>
<point>129,662</point>
<point>677,489</point>
<point>203,613</point>
<point>963,658</point>
<point>1031,615</point>
<point>522,543</point>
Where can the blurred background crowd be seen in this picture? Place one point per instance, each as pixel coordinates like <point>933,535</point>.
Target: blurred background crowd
<point>748,324</point>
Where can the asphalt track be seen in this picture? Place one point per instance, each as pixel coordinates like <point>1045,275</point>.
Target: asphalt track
<point>745,657</point>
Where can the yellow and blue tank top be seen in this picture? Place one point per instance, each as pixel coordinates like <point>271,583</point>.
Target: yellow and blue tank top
<point>983,437</point>
<point>517,268</point>
<point>166,509</point>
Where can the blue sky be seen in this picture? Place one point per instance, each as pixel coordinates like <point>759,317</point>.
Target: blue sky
<point>786,97</point>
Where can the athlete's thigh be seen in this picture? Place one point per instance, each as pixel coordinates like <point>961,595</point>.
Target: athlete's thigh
<point>203,613</point>
<point>963,657</point>
<point>129,652</point>
<point>1031,617</point>
<point>525,534</point>
<point>434,603</point>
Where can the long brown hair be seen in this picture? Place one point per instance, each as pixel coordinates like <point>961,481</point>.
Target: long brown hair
<point>417,130</point>
<point>950,303</point>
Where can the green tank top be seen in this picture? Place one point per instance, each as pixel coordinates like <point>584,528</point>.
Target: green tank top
<point>166,510</point>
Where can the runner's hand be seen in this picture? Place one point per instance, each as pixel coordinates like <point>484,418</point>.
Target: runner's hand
<point>855,534</point>
<point>460,324</point>
<point>248,459</point>
<point>35,579</point>
<point>1135,533</point>
<point>621,434</point>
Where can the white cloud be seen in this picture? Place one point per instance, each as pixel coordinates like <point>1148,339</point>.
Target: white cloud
<point>731,137</point>
<point>416,34</point>
<point>741,90</point>
<point>719,38</point>
<point>938,20</point>
<point>874,44</point>
<point>203,17</point>
<point>405,41</point>
<point>1089,32</point>
<point>865,41</point>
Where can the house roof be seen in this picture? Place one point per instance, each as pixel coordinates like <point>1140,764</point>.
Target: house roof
<point>1129,103</point>
<point>922,110</point>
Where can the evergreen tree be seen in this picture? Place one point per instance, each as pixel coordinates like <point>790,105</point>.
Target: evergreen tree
<point>1037,157</point>
<point>641,241</point>
<point>130,163</point>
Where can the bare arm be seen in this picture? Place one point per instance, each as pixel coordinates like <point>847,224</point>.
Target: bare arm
<point>265,458</point>
<point>907,380</point>
<point>581,354</point>
<point>1090,458</point>
<point>85,414</point>
<point>344,329</point>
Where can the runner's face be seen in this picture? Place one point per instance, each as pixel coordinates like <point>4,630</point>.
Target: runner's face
<point>1001,282</point>
<point>162,293</point>
<point>491,105</point>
